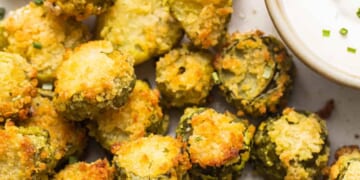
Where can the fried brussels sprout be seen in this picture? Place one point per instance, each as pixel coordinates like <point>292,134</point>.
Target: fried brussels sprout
<point>218,144</point>
<point>24,153</point>
<point>256,73</point>
<point>98,170</point>
<point>347,165</point>
<point>41,37</point>
<point>205,22</point>
<point>80,9</point>
<point>291,146</point>
<point>184,77</point>
<point>152,158</point>
<point>66,138</point>
<point>142,28</point>
<point>92,78</point>
<point>17,86</point>
<point>140,116</point>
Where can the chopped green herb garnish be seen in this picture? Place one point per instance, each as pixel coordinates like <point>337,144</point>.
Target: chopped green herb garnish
<point>216,78</point>
<point>351,50</point>
<point>166,150</point>
<point>343,31</point>
<point>358,13</point>
<point>37,45</point>
<point>2,13</point>
<point>38,2</point>
<point>326,33</point>
<point>73,159</point>
<point>197,139</point>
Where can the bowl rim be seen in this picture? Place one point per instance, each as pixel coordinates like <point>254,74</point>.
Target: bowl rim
<point>304,54</point>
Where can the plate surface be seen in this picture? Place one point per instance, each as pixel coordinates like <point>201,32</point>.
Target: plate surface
<point>301,24</point>
<point>310,90</point>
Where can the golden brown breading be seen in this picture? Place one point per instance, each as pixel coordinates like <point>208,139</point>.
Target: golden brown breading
<point>142,28</point>
<point>218,144</point>
<point>292,146</point>
<point>98,170</point>
<point>347,164</point>
<point>204,21</point>
<point>80,9</point>
<point>66,138</point>
<point>93,77</point>
<point>153,157</point>
<point>138,117</point>
<point>41,37</point>
<point>17,86</point>
<point>184,76</point>
<point>24,153</point>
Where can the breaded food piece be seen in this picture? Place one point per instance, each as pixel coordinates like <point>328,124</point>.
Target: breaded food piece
<point>80,9</point>
<point>142,28</point>
<point>218,144</point>
<point>41,37</point>
<point>184,77</point>
<point>151,158</point>
<point>138,117</point>
<point>17,86</point>
<point>92,78</point>
<point>66,138</point>
<point>24,153</point>
<point>256,73</point>
<point>98,170</point>
<point>347,164</point>
<point>205,21</point>
<point>291,146</point>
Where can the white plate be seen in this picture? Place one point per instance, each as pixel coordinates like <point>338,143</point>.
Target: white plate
<point>301,24</point>
<point>310,90</point>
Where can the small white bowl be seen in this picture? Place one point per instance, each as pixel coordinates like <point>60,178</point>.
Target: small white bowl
<point>301,23</point>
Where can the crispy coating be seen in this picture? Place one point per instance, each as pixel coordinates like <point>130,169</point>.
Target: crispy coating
<point>205,21</point>
<point>142,28</point>
<point>66,138</point>
<point>256,73</point>
<point>93,77</point>
<point>138,117</point>
<point>41,37</point>
<point>17,86</point>
<point>292,146</point>
<point>98,170</point>
<point>219,144</point>
<point>347,164</point>
<point>80,9</point>
<point>152,158</point>
<point>184,77</point>
<point>24,153</point>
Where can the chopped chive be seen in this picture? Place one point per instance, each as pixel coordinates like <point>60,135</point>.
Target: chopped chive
<point>326,33</point>
<point>38,2</point>
<point>358,13</point>
<point>343,31</point>
<point>37,45</point>
<point>351,50</point>
<point>216,78</point>
<point>73,159</point>
<point>2,13</point>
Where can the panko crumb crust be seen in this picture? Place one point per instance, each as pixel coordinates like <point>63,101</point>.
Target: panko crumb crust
<point>291,146</point>
<point>17,87</point>
<point>218,144</point>
<point>256,73</point>
<point>153,157</point>
<point>184,76</point>
<point>143,28</point>
<point>140,116</point>
<point>98,170</point>
<point>205,21</point>
<point>41,38</point>
<point>347,164</point>
<point>92,78</point>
